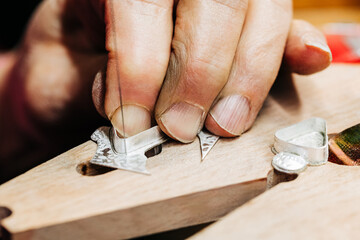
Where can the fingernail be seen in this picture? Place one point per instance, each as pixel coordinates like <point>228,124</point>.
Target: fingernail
<point>231,113</point>
<point>312,40</point>
<point>183,121</point>
<point>136,120</point>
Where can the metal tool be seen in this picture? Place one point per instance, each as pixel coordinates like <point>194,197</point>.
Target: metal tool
<point>300,145</point>
<point>118,74</point>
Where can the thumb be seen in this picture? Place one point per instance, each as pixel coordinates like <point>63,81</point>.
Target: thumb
<point>306,50</point>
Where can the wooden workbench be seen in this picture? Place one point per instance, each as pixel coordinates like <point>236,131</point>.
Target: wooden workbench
<point>59,200</point>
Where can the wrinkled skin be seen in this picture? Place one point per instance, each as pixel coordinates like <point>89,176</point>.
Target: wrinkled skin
<point>213,66</point>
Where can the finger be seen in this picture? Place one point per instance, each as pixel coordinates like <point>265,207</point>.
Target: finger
<point>98,91</point>
<point>204,44</point>
<point>254,69</point>
<point>138,39</point>
<point>306,50</point>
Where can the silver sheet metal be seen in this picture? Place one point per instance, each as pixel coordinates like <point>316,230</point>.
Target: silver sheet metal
<point>129,153</point>
<point>307,139</point>
<point>112,151</point>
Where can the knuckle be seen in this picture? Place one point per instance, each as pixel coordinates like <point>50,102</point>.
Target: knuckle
<point>206,66</point>
<point>203,74</point>
<point>157,4</point>
<point>137,68</point>
<point>198,77</point>
<point>152,8</point>
<point>236,5</point>
<point>284,5</point>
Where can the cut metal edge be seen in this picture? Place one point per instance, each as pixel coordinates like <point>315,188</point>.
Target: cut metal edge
<point>202,135</point>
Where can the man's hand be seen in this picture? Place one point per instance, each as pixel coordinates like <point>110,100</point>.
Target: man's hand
<point>212,66</point>
<point>225,55</point>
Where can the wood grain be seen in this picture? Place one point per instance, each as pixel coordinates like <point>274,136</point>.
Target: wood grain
<point>321,203</point>
<point>54,201</point>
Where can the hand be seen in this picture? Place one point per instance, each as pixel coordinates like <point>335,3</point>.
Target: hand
<point>224,57</point>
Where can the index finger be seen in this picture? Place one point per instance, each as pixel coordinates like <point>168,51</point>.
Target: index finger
<point>138,37</point>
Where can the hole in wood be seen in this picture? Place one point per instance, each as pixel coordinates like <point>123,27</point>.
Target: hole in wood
<point>4,213</point>
<point>153,152</point>
<point>275,177</point>
<point>88,169</point>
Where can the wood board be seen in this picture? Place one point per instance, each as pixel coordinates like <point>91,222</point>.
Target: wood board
<point>322,203</point>
<point>54,201</point>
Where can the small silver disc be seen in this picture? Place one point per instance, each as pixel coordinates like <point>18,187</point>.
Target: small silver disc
<point>289,163</point>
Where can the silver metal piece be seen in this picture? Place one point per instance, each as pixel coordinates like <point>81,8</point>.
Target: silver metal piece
<point>112,152</point>
<point>141,142</point>
<point>307,139</point>
<point>129,153</point>
<point>207,142</point>
<point>289,163</point>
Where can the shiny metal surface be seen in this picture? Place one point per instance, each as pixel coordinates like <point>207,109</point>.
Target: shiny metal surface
<point>139,143</point>
<point>289,163</point>
<point>207,142</point>
<point>129,153</point>
<point>112,151</point>
<point>307,139</point>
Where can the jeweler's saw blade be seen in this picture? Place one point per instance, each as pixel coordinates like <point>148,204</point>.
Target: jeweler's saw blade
<point>207,140</point>
<point>115,43</point>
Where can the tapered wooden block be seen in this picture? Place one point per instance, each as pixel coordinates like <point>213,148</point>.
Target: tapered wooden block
<point>57,201</point>
<point>320,204</point>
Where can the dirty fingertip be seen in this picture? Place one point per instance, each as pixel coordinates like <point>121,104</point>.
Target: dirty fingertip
<point>182,121</point>
<point>136,119</point>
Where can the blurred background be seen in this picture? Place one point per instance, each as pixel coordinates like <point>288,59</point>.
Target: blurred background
<point>14,15</point>
<point>320,12</point>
